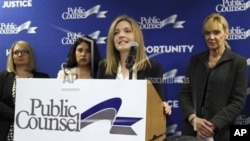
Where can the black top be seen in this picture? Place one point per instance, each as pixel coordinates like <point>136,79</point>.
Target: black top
<point>7,110</point>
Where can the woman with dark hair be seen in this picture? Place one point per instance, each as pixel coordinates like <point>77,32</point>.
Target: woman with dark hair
<point>83,59</point>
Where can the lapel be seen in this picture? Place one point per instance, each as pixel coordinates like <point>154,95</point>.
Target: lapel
<point>142,74</point>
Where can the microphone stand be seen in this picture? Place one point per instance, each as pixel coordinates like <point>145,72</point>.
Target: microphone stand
<point>130,74</point>
<point>131,59</point>
<point>129,66</point>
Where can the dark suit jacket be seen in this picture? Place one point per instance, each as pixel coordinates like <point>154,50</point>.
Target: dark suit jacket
<point>225,96</point>
<point>7,106</point>
<point>153,73</point>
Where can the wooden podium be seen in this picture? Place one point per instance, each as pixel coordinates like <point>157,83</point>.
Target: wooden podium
<point>156,118</point>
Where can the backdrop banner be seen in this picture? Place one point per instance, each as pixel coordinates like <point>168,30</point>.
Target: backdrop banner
<point>172,33</point>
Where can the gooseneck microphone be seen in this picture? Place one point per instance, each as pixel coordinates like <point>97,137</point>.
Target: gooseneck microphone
<point>131,57</point>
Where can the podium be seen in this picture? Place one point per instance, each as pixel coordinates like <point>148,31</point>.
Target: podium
<point>156,119</point>
<point>89,110</point>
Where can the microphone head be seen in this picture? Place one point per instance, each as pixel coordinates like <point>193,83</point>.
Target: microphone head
<point>131,55</point>
<point>134,44</point>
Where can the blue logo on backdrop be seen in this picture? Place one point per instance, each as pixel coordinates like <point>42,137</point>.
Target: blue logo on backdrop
<point>170,77</point>
<point>108,110</point>
<point>81,13</point>
<point>242,120</point>
<point>172,130</point>
<point>60,115</point>
<point>238,33</point>
<point>248,62</point>
<point>157,23</point>
<point>232,6</point>
<point>72,36</point>
<point>12,28</point>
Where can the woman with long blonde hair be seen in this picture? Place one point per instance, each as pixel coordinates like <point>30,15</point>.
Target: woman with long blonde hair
<point>123,31</point>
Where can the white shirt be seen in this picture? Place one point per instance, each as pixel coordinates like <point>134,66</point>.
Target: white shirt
<point>119,75</point>
<point>72,72</point>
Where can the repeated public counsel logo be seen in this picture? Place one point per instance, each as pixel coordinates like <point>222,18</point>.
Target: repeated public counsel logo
<point>157,23</point>
<point>238,33</point>
<point>171,78</point>
<point>12,28</point>
<point>70,38</point>
<point>232,6</point>
<point>81,13</point>
<point>59,115</point>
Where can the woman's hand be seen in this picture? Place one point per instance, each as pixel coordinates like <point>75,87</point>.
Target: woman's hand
<point>167,108</point>
<point>204,128</point>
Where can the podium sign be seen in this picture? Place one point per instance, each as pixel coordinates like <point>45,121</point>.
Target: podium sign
<point>83,110</point>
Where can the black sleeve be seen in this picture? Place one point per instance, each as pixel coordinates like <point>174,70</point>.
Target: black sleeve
<point>101,70</point>
<point>6,100</point>
<point>156,78</point>
<point>40,75</point>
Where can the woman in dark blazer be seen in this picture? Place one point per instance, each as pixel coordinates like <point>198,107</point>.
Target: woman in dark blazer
<point>217,88</point>
<point>125,36</point>
<point>154,72</point>
<point>21,64</point>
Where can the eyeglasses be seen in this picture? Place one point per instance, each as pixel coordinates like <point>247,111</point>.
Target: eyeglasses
<point>22,52</point>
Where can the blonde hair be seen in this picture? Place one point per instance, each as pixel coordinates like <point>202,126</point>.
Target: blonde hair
<point>32,62</point>
<point>218,18</point>
<point>113,55</point>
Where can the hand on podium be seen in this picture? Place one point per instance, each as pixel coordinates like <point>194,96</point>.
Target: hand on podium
<point>167,108</point>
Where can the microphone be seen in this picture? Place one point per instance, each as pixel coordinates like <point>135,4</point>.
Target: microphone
<point>131,55</point>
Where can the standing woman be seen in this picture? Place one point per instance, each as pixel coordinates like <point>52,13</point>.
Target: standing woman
<point>217,90</point>
<point>21,64</point>
<point>80,63</point>
<point>122,32</point>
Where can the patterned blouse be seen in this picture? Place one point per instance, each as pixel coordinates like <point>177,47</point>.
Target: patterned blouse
<point>10,136</point>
